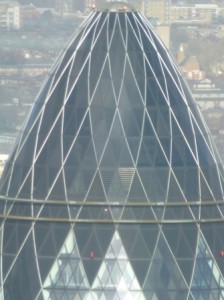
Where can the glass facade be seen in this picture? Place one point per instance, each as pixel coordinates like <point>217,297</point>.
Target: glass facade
<point>114,188</point>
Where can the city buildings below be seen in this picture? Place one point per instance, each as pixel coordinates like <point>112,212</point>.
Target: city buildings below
<point>208,94</point>
<point>16,15</point>
<point>196,13</point>
<point>158,9</point>
<point>3,159</point>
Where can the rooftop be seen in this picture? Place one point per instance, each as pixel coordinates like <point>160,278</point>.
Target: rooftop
<point>116,6</point>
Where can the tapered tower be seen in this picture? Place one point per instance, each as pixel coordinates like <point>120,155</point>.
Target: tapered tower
<point>114,188</point>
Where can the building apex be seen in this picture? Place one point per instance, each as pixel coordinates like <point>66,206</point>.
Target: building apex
<point>116,6</point>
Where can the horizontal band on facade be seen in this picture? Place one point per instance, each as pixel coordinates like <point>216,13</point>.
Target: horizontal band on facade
<point>110,204</point>
<point>110,221</point>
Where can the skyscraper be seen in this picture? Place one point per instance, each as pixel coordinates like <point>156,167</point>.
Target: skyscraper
<point>114,189</point>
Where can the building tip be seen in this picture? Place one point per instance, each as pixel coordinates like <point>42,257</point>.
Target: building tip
<point>115,6</point>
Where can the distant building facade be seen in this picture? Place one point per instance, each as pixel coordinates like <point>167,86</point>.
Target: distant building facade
<point>10,15</point>
<point>159,9</point>
<point>202,12</point>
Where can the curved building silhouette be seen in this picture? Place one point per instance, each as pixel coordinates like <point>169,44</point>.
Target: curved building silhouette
<point>114,188</point>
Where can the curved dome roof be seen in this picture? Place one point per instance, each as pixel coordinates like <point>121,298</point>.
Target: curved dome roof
<point>115,122</point>
<point>116,6</point>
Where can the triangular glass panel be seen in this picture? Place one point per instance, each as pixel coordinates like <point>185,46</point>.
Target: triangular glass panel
<point>132,121</point>
<point>120,275</point>
<point>160,120</point>
<point>147,152</point>
<point>155,91</point>
<point>77,94</point>
<point>148,129</point>
<point>139,252</point>
<point>25,191</point>
<point>77,152</point>
<point>186,266</point>
<point>160,159</point>
<point>166,146</point>
<point>207,272</point>
<point>15,234</point>
<point>162,179</point>
<point>24,273</point>
<point>159,279</point>
<point>40,184</point>
<point>117,154</point>
<point>128,235</point>
<point>140,267</point>
<point>192,184</point>
<point>212,176</point>
<point>96,192</point>
<point>58,189</point>
<point>45,265</point>
<point>98,58</point>
<point>67,271</point>
<point>109,158</point>
<point>100,129</point>
<point>152,185</point>
<point>174,94</point>
<point>183,244</point>
<point>80,125</point>
<point>77,188</point>
<point>177,160</point>
<point>77,182</point>
<point>104,95</point>
<point>175,193</point>
<point>89,159</point>
<point>104,234</point>
<point>49,132</point>
<point>116,191</point>
<point>130,98</point>
<point>137,63</point>
<point>101,119</point>
<point>93,241</point>
<point>7,263</point>
<point>126,175</point>
<point>117,130</point>
<point>183,118</point>
<point>117,59</point>
<point>137,193</point>
<point>91,267</point>
<point>107,177</point>
<point>58,87</point>
<point>150,234</point>
<point>205,156</point>
<point>206,192</point>
<point>182,150</point>
<point>45,233</point>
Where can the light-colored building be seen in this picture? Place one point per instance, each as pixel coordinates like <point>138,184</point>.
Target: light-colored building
<point>10,15</point>
<point>203,12</point>
<point>159,9</point>
<point>208,95</point>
